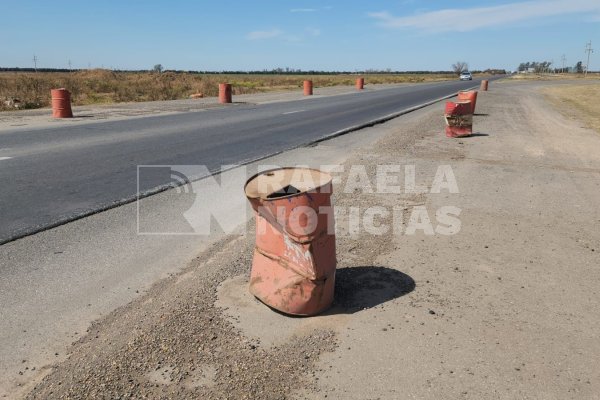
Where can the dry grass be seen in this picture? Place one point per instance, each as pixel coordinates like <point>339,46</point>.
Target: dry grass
<point>104,86</point>
<point>577,101</point>
<point>550,77</point>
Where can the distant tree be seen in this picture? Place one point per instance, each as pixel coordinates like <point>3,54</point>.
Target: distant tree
<point>579,67</point>
<point>536,66</point>
<point>545,66</point>
<point>158,68</point>
<point>459,67</point>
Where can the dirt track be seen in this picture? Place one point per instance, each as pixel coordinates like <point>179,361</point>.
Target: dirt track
<point>505,308</point>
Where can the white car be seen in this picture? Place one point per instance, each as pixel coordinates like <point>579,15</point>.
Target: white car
<point>466,76</point>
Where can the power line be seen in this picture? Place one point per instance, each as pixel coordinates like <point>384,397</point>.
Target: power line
<point>588,50</point>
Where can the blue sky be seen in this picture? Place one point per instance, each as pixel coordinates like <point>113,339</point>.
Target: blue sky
<point>333,35</point>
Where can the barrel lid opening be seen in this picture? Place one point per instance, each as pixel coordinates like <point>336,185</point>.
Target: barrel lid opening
<point>285,182</point>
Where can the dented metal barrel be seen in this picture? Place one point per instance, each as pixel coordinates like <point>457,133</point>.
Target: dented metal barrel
<point>224,93</point>
<point>468,95</point>
<point>293,269</point>
<point>360,83</point>
<point>61,103</point>
<point>308,88</point>
<point>459,119</point>
<point>484,85</point>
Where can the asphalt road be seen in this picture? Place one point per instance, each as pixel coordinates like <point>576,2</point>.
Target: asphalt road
<point>57,174</point>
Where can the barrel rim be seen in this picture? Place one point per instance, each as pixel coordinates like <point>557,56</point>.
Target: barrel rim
<point>327,176</point>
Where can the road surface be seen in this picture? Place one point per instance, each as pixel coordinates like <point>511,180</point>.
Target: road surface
<point>53,175</point>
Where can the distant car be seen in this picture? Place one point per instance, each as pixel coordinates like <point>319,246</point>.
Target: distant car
<point>466,76</point>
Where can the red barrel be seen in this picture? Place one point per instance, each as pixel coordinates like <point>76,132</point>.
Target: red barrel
<point>308,88</point>
<point>470,95</point>
<point>61,103</point>
<point>360,83</point>
<point>293,269</point>
<point>224,93</point>
<point>484,86</point>
<point>459,119</point>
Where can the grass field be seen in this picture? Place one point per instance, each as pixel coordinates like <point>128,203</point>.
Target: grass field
<point>105,86</point>
<point>578,101</point>
<point>550,77</point>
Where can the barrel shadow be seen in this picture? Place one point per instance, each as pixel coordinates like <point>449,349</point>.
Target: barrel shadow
<point>359,288</point>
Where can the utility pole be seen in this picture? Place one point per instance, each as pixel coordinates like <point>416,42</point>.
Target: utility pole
<point>69,65</point>
<point>563,59</point>
<point>35,60</point>
<point>588,50</point>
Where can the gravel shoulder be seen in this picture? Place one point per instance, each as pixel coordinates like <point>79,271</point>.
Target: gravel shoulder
<point>503,309</point>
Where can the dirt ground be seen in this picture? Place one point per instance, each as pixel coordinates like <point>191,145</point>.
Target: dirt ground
<point>504,308</point>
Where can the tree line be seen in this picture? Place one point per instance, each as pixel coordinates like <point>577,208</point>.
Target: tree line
<point>461,66</point>
<point>546,66</point>
<point>275,71</point>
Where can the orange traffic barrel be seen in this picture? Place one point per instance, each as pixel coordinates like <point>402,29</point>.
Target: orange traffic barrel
<point>61,103</point>
<point>293,268</point>
<point>360,83</point>
<point>468,95</point>
<point>224,93</point>
<point>459,119</point>
<point>308,88</point>
<point>484,86</point>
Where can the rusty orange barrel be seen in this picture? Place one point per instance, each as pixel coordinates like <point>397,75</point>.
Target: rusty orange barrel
<point>360,83</point>
<point>308,88</point>
<point>459,118</point>
<point>224,93</point>
<point>484,86</point>
<point>61,103</point>
<point>293,269</point>
<point>468,95</point>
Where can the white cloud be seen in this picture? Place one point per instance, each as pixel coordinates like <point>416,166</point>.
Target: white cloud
<point>313,31</point>
<point>278,33</point>
<point>294,38</point>
<point>469,19</point>
<point>309,10</point>
<point>258,35</point>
